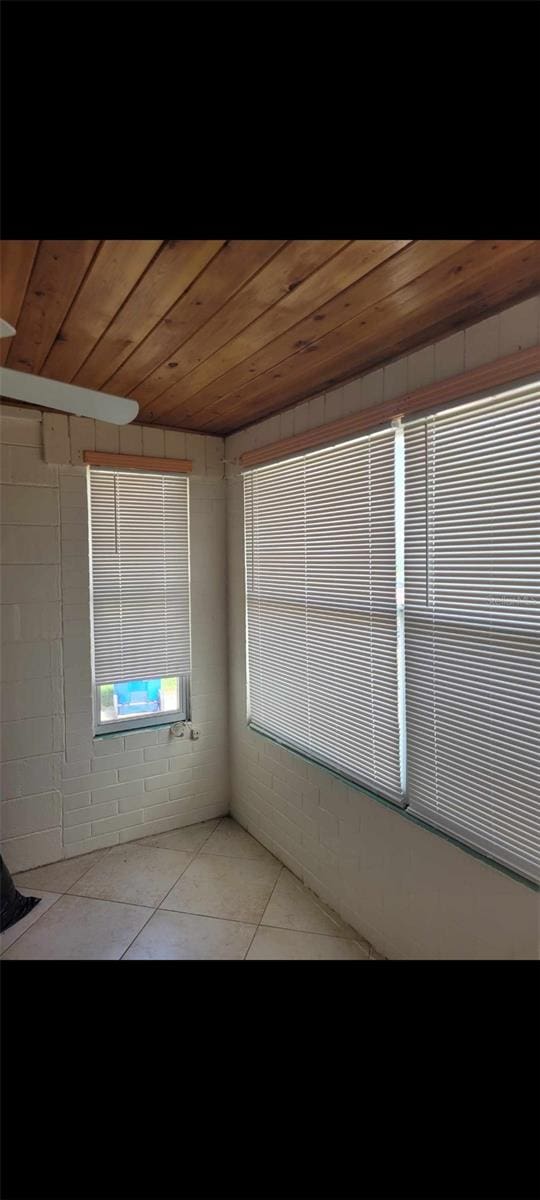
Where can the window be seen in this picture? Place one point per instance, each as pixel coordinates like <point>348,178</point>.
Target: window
<point>322,607</point>
<point>393,616</point>
<point>140,598</point>
<point>472,623</point>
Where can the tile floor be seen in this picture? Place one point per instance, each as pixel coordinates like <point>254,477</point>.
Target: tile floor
<point>205,891</point>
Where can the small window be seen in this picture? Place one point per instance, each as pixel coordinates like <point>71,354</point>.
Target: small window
<point>140,598</point>
<point>127,699</point>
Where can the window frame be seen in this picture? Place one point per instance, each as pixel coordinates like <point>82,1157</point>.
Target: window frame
<point>144,720</point>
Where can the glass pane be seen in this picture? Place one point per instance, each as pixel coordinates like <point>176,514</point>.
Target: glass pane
<point>138,697</point>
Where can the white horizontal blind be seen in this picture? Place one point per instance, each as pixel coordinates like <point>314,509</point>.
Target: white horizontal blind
<point>472,623</point>
<point>321,607</point>
<point>140,575</point>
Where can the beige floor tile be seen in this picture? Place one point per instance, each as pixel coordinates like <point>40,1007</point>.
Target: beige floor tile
<point>77,927</point>
<point>289,943</point>
<point>59,876</point>
<point>237,889</point>
<point>190,838</point>
<point>15,931</point>
<point>292,906</point>
<point>182,935</point>
<point>233,841</point>
<point>133,874</point>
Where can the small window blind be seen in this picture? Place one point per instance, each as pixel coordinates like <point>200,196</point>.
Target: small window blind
<point>140,575</point>
<point>472,623</point>
<point>322,627</point>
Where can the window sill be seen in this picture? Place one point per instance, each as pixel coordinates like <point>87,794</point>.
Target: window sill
<point>406,814</point>
<point>120,731</point>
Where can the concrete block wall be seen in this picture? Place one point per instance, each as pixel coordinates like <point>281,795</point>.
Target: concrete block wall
<point>410,892</point>
<point>65,792</point>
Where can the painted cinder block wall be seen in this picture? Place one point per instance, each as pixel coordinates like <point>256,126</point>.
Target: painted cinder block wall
<point>63,791</point>
<point>410,892</point>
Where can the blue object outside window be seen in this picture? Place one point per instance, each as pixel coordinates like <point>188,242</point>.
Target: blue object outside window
<point>138,696</point>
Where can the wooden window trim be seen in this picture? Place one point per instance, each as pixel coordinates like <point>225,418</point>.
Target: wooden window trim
<point>444,394</point>
<point>138,462</point>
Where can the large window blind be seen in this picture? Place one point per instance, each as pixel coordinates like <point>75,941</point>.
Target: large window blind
<point>140,575</point>
<point>322,625</point>
<point>472,623</point>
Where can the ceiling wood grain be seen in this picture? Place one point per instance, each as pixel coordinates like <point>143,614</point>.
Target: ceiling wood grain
<point>173,270</point>
<point>224,276</point>
<point>213,334</point>
<point>403,267</point>
<point>464,279</point>
<point>283,274</point>
<point>336,276</point>
<point>16,262</point>
<point>57,273</point>
<point>114,272</point>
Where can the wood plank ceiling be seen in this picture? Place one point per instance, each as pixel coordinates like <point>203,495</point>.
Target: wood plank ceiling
<point>212,335</point>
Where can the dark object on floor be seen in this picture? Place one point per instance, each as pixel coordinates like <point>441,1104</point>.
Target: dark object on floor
<point>14,906</point>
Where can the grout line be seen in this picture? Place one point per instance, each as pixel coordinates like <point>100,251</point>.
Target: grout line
<point>71,892</point>
<point>125,845</point>
<point>153,909</point>
<point>89,867</point>
<point>211,916</point>
<point>32,923</point>
<point>145,843</point>
<point>134,939</point>
<point>157,908</point>
<point>241,857</point>
<point>184,912</point>
<point>318,933</point>
<point>177,880</point>
<point>62,860</point>
<point>358,938</point>
<point>263,912</point>
<point>108,900</point>
<point>135,904</point>
<point>332,915</point>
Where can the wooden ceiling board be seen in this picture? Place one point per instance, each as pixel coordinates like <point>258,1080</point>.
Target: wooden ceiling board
<point>336,275</point>
<point>445,326</point>
<point>387,335</point>
<point>405,266</point>
<point>16,262</point>
<point>57,273</point>
<point>167,277</point>
<point>114,272</point>
<point>211,335</point>
<point>227,272</point>
<point>466,283</point>
<point>286,270</point>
